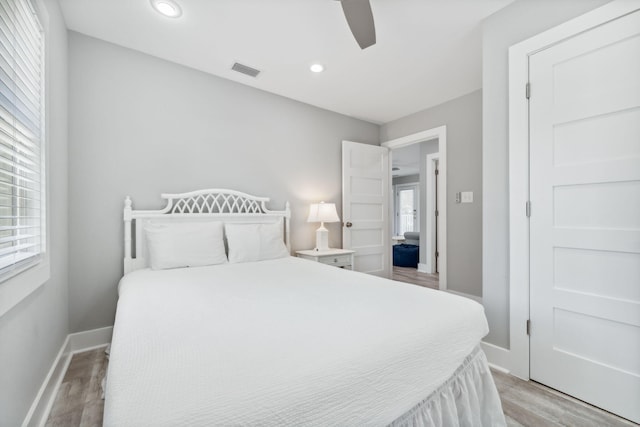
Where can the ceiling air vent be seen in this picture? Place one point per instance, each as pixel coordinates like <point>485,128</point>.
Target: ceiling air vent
<point>245,69</point>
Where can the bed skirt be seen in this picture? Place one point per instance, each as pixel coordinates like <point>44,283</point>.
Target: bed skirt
<point>468,398</point>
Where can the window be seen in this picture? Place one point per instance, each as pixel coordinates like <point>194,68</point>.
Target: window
<point>407,218</point>
<point>22,195</point>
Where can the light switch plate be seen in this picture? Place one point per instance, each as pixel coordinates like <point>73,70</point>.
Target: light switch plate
<point>467,196</point>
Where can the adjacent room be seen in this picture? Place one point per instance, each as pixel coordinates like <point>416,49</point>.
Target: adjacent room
<point>415,186</point>
<point>321,212</point>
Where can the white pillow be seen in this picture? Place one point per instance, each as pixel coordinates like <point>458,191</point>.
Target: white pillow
<point>255,242</point>
<point>185,245</point>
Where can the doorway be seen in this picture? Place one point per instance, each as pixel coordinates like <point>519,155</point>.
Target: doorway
<point>433,214</point>
<point>417,159</point>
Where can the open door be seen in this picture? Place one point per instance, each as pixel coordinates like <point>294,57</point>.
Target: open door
<point>365,206</point>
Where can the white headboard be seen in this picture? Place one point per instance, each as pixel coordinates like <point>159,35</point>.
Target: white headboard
<point>202,205</point>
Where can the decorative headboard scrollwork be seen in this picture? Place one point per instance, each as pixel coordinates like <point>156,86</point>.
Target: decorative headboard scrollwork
<point>207,202</point>
<point>218,204</point>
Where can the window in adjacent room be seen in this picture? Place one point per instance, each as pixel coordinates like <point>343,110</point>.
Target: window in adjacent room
<point>22,195</point>
<point>407,218</point>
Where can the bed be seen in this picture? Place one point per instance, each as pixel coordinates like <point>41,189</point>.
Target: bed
<point>286,341</point>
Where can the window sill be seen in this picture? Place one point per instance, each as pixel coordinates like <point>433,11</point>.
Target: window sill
<point>23,284</point>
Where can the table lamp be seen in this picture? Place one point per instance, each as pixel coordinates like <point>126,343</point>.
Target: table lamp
<point>322,212</point>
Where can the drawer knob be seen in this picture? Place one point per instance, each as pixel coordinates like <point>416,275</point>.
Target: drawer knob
<point>335,260</point>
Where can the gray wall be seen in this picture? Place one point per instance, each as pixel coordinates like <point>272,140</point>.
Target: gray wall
<point>33,331</point>
<point>143,126</point>
<point>407,179</point>
<point>518,21</point>
<point>463,117</point>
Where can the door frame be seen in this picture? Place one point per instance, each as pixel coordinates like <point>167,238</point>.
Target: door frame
<point>431,192</point>
<point>439,133</point>
<point>516,359</point>
<point>399,187</point>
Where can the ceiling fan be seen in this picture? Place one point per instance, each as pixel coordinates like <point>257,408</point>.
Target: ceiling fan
<point>360,20</point>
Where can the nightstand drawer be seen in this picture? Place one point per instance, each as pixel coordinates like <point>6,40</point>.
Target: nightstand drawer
<point>336,257</point>
<point>336,260</point>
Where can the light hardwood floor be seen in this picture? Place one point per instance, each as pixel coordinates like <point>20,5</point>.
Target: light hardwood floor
<point>412,275</point>
<point>79,400</point>
<point>528,403</point>
<point>525,403</point>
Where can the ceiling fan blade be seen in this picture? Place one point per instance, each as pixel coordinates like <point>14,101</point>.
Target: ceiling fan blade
<point>360,20</point>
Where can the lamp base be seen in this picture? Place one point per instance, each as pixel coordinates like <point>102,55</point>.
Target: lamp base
<point>322,239</point>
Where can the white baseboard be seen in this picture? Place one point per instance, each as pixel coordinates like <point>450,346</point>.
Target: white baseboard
<point>44,399</point>
<point>424,268</point>
<point>462,294</point>
<point>498,357</point>
<point>73,343</point>
<point>86,340</point>
<point>498,368</point>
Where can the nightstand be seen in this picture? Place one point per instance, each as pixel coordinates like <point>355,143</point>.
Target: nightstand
<point>337,257</point>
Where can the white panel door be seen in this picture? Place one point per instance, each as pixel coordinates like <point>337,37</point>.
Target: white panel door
<point>585,216</point>
<point>365,206</point>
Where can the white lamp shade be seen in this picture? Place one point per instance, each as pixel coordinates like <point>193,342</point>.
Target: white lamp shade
<point>323,212</point>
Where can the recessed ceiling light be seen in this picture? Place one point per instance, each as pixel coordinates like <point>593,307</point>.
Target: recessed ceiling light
<point>317,68</point>
<point>168,8</point>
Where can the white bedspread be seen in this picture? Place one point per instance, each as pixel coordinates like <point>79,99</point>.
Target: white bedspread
<point>280,342</point>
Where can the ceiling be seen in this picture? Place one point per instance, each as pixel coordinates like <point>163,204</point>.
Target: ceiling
<point>407,160</point>
<point>427,51</point>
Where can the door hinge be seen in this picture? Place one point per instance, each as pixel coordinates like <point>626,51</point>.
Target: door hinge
<point>437,172</point>
<point>528,327</point>
<point>528,208</point>
<point>528,90</point>
<point>437,254</point>
<point>437,213</point>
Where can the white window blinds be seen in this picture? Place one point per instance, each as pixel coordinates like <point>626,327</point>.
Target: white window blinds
<point>21,137</point>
